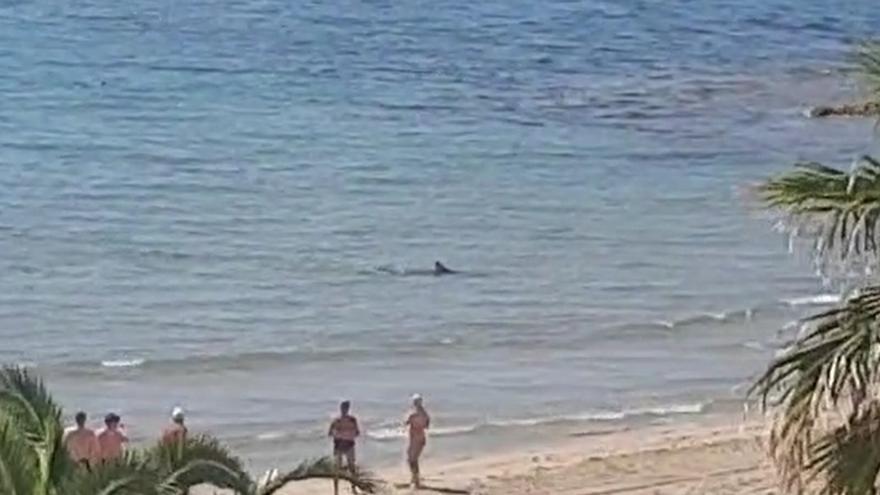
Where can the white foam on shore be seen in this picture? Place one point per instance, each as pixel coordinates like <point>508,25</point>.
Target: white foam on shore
<point>754,345</point>
<point>384,434</point>
<point>271,435</point>
<point>705,317</point>
<point>394,433</point>
<point>687,408</point>
<point>123,363</point>
<point>692,408</point>
<point>817,300</point>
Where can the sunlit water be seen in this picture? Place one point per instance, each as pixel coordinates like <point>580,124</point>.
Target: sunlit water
<point>221,204</point>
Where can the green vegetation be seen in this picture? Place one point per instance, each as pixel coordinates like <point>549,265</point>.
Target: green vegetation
<point>824,388</point>
<point>33,460</point>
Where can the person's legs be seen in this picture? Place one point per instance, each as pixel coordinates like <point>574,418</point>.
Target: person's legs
<point>352,466</point>
<point>412,455</point>
<point>337,457</point>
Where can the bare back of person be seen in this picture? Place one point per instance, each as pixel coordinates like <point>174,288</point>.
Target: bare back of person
<point>112,443</point>
<point>82,445</point>
<point>174,433</point>
<point>111,439</point>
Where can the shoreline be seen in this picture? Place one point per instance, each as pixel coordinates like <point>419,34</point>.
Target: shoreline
<point>722,454</point>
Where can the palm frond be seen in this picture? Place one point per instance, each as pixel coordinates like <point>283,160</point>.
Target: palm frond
<point>868,59</point>
<point>198,472</point>
<point>829,372</point>
<point>199,460</point>
<point>848,457</point>
<point>25,400</point>
<point>18,464</point>
<point>838,211</point>
<point>323,468</point>
<point>130,475</point>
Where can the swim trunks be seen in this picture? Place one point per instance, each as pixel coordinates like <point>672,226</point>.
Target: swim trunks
<point>341,446</point>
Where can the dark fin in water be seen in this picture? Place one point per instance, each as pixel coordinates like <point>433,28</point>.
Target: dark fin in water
<point>440,269</point>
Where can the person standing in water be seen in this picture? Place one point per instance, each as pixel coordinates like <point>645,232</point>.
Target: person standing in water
<point>81,442</point>
<point>344,431</point>
<point>112,439</point>
<point>417,424</point>
<point>176,431</point>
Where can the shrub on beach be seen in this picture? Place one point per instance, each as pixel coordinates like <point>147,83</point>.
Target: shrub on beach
<point>33,460</point>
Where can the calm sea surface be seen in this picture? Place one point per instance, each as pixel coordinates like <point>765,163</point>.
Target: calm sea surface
<point>227,205</point>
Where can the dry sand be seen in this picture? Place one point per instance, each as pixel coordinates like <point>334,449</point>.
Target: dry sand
<point>720,456</point>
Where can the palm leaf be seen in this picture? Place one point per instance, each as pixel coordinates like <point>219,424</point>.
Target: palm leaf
<point>18,464</point>
<point>198,472</point>
<point>838,211</point>
<point>868,59</point>
<point>829,372</point>
<point>130,475</point>
<point>849,455</point>
<point>323,468</point>
<point>199,460</point>
<point>25,400</point>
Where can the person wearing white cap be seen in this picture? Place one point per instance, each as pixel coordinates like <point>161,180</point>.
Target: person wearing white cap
<point>417,423</point>
<point>176,431</point>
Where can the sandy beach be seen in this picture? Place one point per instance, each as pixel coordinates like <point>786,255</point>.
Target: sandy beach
<point>710,456</point>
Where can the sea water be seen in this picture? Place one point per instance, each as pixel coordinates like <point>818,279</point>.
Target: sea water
<point>234,206</point>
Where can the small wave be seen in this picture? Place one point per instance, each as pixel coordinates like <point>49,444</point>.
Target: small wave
<point>665,324</point>
<point>707,317</point>
<point>403,272</point>
<point>663,410</point>
<point>271,435</point>
<point>817,300</point>
<point>734,315</point>
<point>123,363</point>
<point>704,317</point>
<point>260,360</point>
<point>540,421</point>
<point>394,433</point>
<point>754,345</point>
<point>692,408</point>
<point>397,270</point>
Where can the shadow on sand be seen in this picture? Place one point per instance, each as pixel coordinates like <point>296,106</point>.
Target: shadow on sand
<point>436,489</point>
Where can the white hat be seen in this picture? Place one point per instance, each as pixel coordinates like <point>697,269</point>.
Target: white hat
<point>177,413</point>
<point>416,398</point>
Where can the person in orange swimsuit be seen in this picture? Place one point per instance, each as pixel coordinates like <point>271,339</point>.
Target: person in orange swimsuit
<point>417,423</point>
